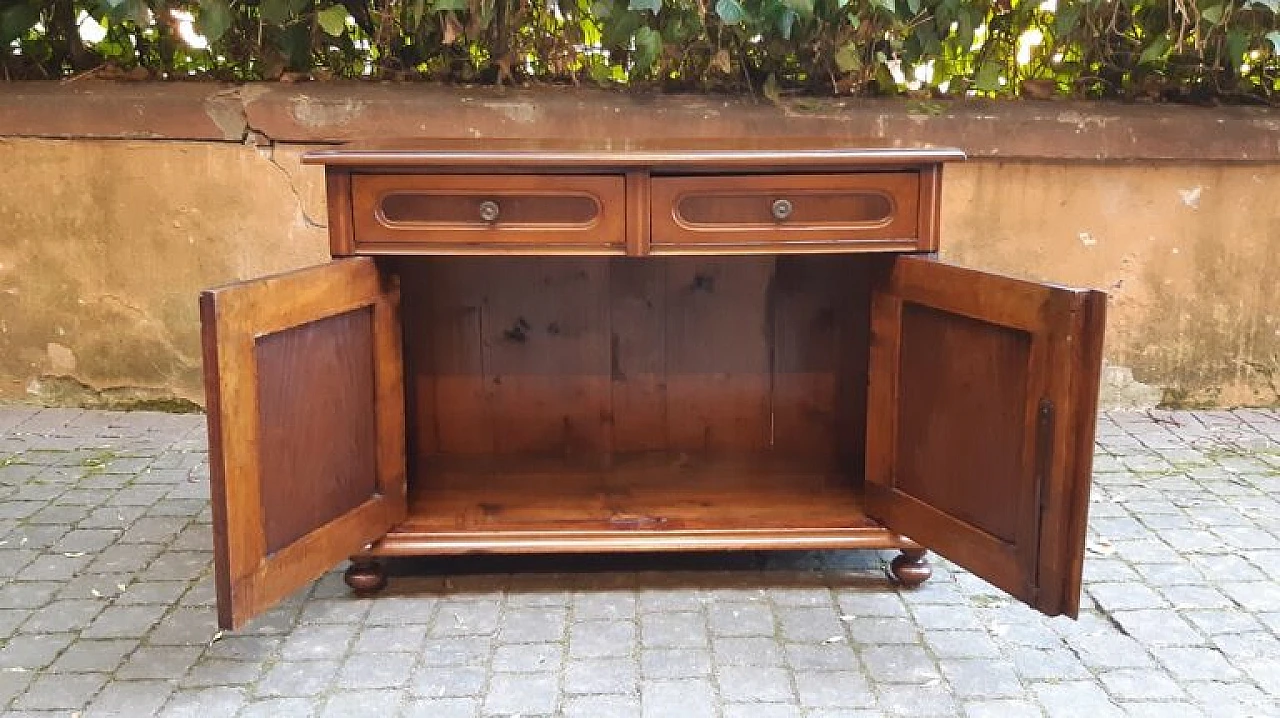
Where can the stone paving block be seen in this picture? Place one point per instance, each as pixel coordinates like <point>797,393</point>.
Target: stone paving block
<point>204,702</point>
<point>810,624</point>
<point>603,606</point>
<point>744,651</point>
<point>33,651</point>
<point>671,663</point>
<point>159,662</point>
<point>64,615</point>
<point>899,664</point>
<point>65,692</point>
<point>1136,685</point>
<point>602,675</point>
<point>318,642</point>
<point>221,672</point>
<point>920,700</point>
<point>1159,627</point>
<point>861,604</point>
<point>129,698</point>
<point>1002,708</point>
<point>741,619</point>
<point>368,703</point>
<point>532,625</point>
<point>982,678</point>
<point>1075,699</point>
<point>594,639</point>
<point>280,708</point>
<point>335,611</point>
<point>878,630</point>
<point>1192,663</point>
<point>821,656</point>
<point>754,684</point>
<point>93,656</point>
<point>528,657</point>
<point>1162,710</point>
<point>448,681</point>
<point>522,693</point>
<point>466,618</point>
<point>834,689</point>
<point>297,678</point>
<point>442,708</point>
<point>604,706</point>
<point>673,630</point>
<point>692,698</point>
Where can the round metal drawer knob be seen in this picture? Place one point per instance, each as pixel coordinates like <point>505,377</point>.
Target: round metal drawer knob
<point>489,210</point>
<point>781,209</point>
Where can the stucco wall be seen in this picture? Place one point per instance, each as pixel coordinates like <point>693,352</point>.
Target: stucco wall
<point>120,202</point>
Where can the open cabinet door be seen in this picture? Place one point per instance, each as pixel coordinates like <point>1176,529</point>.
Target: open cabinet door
<point>304,383</point>
<point>981,409</point>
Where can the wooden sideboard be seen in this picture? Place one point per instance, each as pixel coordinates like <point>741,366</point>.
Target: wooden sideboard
<point>533,347</point>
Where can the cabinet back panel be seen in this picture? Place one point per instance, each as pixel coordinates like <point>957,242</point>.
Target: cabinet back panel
<point>585,358</point>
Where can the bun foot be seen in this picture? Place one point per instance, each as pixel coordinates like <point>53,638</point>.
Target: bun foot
<point>910,568</point>
<point>365,576</point>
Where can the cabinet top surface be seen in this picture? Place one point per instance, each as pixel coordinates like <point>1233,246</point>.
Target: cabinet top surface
<point>778,152</point>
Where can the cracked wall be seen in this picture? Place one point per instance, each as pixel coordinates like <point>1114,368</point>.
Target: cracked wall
<point>105,245</point>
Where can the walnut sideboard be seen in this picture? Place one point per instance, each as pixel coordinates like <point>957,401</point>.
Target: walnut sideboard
<point>537,347</point>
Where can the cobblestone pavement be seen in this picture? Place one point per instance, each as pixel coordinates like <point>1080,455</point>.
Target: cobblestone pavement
<point>105,604</point>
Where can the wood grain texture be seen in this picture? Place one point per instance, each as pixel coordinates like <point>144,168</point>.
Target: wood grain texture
<point>330,405</point>
<point>674,154</point>
<point>338,203</point>
<point>958,460</point>
<point>825,208</point>
<point>251,576</point>
<point>443,212</point>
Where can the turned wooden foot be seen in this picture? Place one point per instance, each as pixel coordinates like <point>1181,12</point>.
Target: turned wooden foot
<point>365,576</point>
<point>910,568</point>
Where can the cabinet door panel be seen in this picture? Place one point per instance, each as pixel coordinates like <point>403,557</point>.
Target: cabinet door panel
<point>981,411</point>
<point>306,427</point>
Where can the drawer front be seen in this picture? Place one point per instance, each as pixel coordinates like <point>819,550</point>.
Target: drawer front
<point>478,212</point>
<point>794,211</point>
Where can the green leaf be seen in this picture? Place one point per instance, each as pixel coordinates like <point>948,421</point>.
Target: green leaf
<point>849,58</point>
<point>913,6</point>
<point>15,21</point>
<point>987,79</point>
<point>138,12</point>
<point>215,19</point>
<point>1068,17</point>
<point>1237,43</point>
<point>648,46</point>
<point>730,11</point>
<point>455,5</point>
<point>786,21</point>
<point>804,8</point>
<point>274,12</point>
<point>652,6</point>
<point>889,6</point>
<point>1155,50</point>
<point>1272,5</point>
<point>1274,37</point>
<point>1212,14</point>
<point>333,19</point>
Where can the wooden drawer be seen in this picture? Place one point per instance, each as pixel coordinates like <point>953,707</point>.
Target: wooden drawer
<point>807,211</point>
<point>401,213</point>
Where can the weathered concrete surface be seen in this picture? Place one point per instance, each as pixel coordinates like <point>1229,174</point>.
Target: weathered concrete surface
<point>1186,251</point>
<point>104,244</point>
<point>339,111</point>
<point>104,247</point>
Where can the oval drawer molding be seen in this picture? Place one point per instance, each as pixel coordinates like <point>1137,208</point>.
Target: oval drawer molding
<point>780,210</point>
<point>430,213</point>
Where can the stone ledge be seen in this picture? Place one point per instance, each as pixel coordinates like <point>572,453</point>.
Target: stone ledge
<point>340,111</point>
